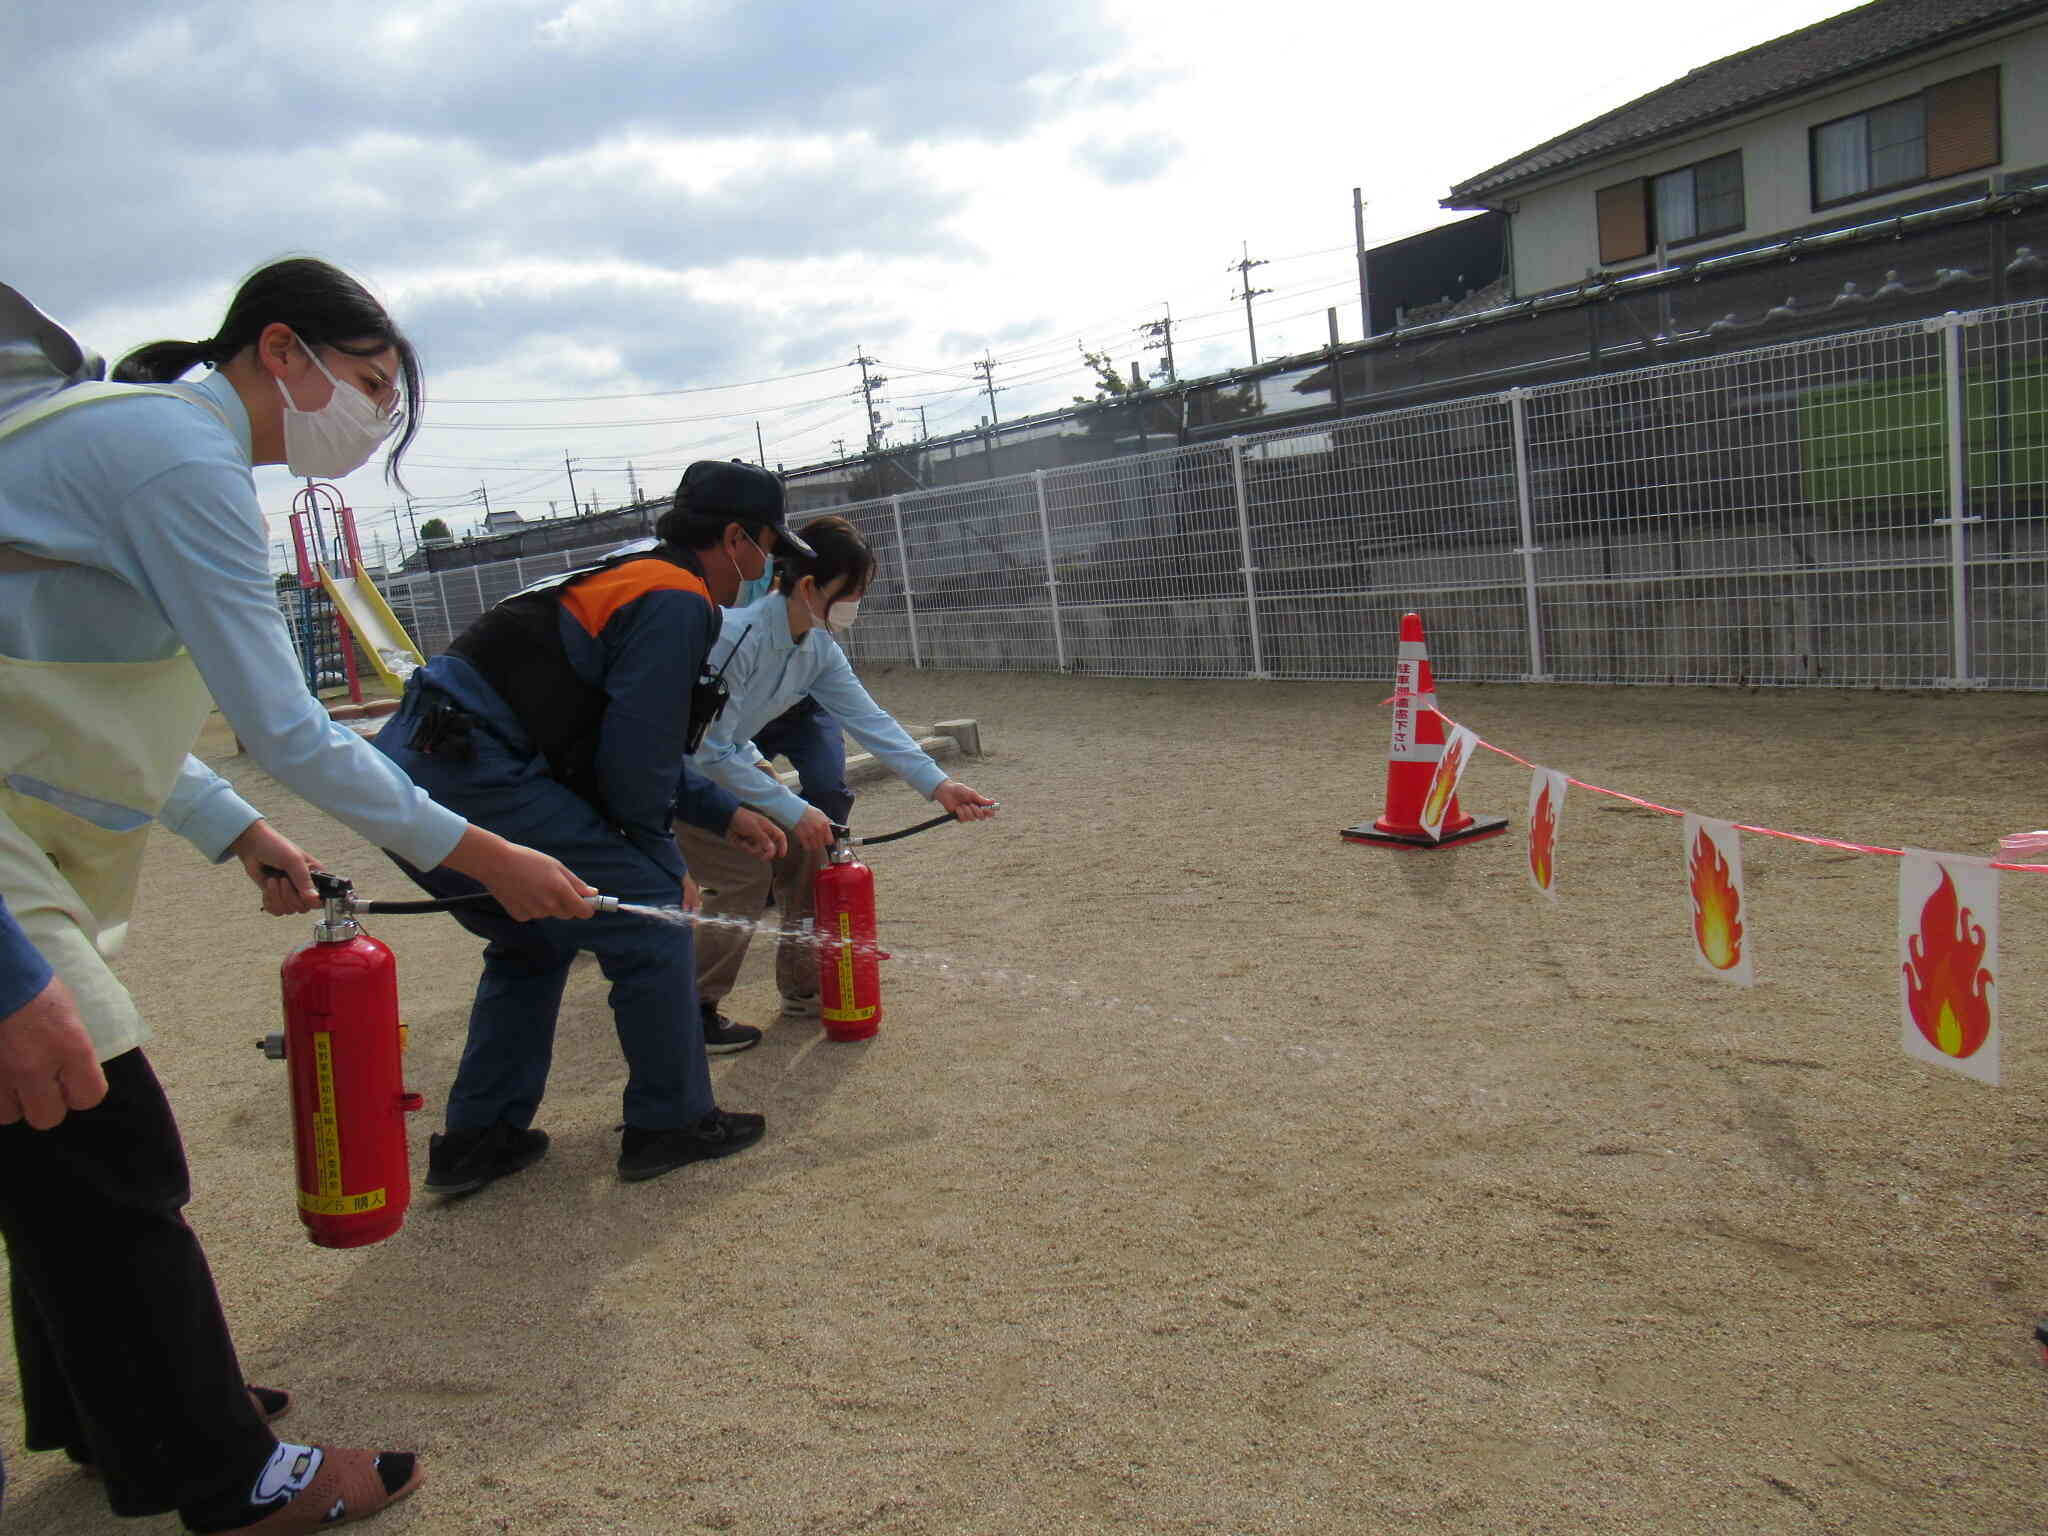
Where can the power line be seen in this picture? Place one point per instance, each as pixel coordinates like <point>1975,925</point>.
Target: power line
<point>646,394</point>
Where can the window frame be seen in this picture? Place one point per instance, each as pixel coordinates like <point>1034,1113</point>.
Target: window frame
<point>1875,188</point>
<point>1657,236</point>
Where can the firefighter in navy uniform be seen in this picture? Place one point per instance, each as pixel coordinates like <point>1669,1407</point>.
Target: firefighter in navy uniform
<point>567,712</point>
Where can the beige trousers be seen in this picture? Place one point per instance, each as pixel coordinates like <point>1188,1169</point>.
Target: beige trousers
<point>736,886</point>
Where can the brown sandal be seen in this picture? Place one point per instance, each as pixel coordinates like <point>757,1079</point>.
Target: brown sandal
<point>347,1487</point>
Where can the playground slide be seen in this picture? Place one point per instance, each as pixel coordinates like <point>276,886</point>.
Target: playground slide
<point>370,620</point>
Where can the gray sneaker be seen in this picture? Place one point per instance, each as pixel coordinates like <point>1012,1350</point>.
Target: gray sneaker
<point>809,1007</point>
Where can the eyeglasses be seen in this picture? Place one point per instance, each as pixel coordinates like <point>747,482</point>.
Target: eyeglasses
<point>386,396</point>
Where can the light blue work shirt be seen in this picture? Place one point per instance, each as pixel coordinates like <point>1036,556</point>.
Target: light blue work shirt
<point>766,672</point>
<point>150,504</point>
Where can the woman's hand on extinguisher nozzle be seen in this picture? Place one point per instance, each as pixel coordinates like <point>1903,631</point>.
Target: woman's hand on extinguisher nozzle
<point>527,882</point>
<point>282,870</point>
<point>693,894</point>
<point>751,832</point>
<point>47,1064</point>
<point>965,804</point>
<point>813,829</point>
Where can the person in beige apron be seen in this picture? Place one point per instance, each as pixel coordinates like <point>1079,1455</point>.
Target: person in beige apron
<point>125,1359</point>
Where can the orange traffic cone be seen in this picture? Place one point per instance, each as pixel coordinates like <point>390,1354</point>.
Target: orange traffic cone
<point>1418,746</point>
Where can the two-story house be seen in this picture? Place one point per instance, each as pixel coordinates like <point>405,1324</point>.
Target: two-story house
<point>1890,107</point>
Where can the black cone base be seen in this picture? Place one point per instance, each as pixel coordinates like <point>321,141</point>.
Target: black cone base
<point>1481,826</point>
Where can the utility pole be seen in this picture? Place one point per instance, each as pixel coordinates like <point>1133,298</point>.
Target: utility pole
<point>485,492</point>
<point>760,448</point>
<point>924,431</point>
<point>633,482</point>
<point>1163,330</point>
<point>1243,269</point>
<point>570,466</point>
<point>412,520</point>
<point>868,386</point>
<point>1364,292</point>
<point>839,446</point>
<point>987,369</point>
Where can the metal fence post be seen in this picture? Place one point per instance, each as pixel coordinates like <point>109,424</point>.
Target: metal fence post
<point>1052,582</point>
<point>518,574</point>
<point>1950,327</point>
<point>477,572</point>
<point>903,559</point>
<point>1525,502</point>
<point>1244,540</point>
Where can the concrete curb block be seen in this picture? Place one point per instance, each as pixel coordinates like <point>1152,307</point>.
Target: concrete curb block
<point>946,740</point>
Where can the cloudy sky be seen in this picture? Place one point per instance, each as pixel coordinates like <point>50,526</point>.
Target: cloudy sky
<point>626,231</point>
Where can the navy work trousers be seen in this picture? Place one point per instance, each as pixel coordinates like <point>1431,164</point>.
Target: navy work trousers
<point>650,964</point>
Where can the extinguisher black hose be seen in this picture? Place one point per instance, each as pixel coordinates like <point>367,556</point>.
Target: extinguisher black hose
<point>473,899</point>
<point>890,837</point>
<point>329,886</point>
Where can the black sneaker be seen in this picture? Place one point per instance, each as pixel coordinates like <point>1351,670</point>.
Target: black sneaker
<point>722,1037</point>
<point>646,1154</point>
<point>459,1162</point>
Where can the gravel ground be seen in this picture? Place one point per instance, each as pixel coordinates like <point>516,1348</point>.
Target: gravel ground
<point>1213,1175</point>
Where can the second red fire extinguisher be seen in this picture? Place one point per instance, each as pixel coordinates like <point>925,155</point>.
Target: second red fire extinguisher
<point>849,973</point>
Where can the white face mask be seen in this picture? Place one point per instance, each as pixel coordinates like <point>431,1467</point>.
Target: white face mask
<point>337,439</point>
<point>840,615</point>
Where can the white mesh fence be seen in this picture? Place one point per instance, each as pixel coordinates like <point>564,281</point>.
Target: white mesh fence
<point>1863,509</point>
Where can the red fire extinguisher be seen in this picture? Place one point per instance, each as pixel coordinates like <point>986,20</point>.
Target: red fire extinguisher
<point>849,973</point>
<point>342,1042</point>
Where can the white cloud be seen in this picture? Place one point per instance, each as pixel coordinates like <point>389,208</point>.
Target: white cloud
<point>610,197</point>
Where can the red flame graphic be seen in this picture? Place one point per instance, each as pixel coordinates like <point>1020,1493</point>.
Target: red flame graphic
<point>1437,802</point>
<point>1542,839</point>
<point>1948,989</point>
<point>1716,906</point>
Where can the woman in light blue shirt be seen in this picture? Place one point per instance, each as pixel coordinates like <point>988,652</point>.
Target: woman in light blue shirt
<point>774,652</point>
<point>134,595</point>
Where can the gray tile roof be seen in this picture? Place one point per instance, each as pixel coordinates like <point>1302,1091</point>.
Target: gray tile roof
<point>1828,50</point>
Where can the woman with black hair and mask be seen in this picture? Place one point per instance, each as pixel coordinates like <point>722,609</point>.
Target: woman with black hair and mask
<point>135,594</point>
<point>775,651</point>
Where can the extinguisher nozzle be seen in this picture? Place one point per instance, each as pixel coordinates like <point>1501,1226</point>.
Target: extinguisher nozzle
<point>603,904</point>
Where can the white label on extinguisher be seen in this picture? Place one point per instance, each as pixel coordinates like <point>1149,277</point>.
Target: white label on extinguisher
<point>330,1201</point>
<point>846,1012</point>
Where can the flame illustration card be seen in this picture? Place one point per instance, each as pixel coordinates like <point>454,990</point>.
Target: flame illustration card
<point>1720,912</point>
<point>1546,812</point>
<point>1948,962</point>
<point>1443,784</point>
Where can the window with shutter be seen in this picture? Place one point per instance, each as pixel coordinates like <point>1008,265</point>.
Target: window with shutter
<point>1962,123</point>
<point>1949,128</point>
<point>1624,215</point>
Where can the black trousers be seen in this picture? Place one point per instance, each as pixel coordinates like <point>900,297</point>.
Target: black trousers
<point>124,1356</point>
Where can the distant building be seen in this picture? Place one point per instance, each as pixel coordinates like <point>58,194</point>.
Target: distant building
<point>1892,107</point>
<point>502,522</point>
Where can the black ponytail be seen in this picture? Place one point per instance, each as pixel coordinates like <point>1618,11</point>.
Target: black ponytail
<point>162,361</point>
<point>324,307</point>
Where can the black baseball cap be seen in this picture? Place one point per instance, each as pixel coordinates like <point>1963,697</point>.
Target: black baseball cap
<point>738,492</point>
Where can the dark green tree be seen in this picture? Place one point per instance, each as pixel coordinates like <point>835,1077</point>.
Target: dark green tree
<point>1109,383</point>
<point>433,528</point>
